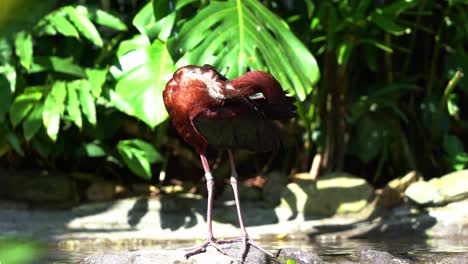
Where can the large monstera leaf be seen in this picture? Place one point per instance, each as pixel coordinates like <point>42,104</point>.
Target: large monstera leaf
<point>236,35</point>
<point>145,69</point>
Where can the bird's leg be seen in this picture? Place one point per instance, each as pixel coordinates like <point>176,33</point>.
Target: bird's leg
<point>244,236</point>
<point>210,241</point>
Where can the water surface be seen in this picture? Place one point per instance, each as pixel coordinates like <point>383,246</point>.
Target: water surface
<point>71,251</point>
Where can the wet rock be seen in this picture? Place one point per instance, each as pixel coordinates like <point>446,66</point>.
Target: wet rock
<point>232,250</point>
<point>368,256</point>
<point>299,256</point>
<point>393,193</point>
<point>448,258</point>
<point>335,193</point>
<point>439,191</point>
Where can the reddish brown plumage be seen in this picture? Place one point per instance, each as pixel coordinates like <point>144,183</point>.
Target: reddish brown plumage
<point>203,94</point>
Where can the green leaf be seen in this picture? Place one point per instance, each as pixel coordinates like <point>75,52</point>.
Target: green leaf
<point>452,106</point>
<point>235,36</point>
<point>53,109</point>
<point>15,143</point>
<point>78,17</point>
<point>96,78</point>
<point>73,104</point>
<point>5,97</point>
<point>57,64</point>
<point>452,145</point>
<point>344,52</point>
<point>137,155</point>
<point>147,68</point>
<point>386,23</point>
<point>8,72</point>
<point>33,122</point>
<point>24,48</point>
<point>397,7</point>
<point>24,103</point>
<point>159,26</point>
<point>88,106</point>
<point>61,25</point>
<point>106,19</point>
<point>95,149</point>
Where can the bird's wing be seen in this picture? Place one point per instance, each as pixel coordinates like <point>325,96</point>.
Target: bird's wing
<point>238,124</point>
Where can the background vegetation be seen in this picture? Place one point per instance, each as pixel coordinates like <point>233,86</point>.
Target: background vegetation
<point>378,84</point>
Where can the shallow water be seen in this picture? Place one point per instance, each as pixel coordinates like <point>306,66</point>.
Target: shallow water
<point>71,251</point>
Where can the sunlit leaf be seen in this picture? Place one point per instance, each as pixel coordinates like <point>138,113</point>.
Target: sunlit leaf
<point>57,64</point>
<point>73,103</point>
<point>8,72</point>
<point>147,69</point>
<point>155,27</point>
<point>24,103</point>
<point>96,78</point>
<point>138,155</point>
<point>24,48</point>
<point>53,109</point>
<point>344,52</point>
<point>452,106</point>
<point>235,36</point>
<point>88,106</point>
<point>145,22</point>
<point>106,19</point>
<point>84,25</point>
<point>60,24</point>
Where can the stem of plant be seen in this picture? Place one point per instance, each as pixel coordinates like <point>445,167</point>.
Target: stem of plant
<point>413,40</point>
<point>442,104</point>
<point>388,59</point>
<point>435,55</point>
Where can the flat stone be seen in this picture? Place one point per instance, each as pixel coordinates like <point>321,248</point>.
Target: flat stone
<point>211,255</point>
<point>335,193</point>
<point>439,191</point>
<point>376,257</point>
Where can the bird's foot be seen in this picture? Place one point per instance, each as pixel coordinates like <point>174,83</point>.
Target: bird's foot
<point>245,240</point>
<point>202,247</point>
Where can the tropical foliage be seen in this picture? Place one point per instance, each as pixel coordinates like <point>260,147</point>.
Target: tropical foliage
<point>379,92</point>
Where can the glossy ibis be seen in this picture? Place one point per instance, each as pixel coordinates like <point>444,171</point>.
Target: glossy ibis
<point>209,110</point>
